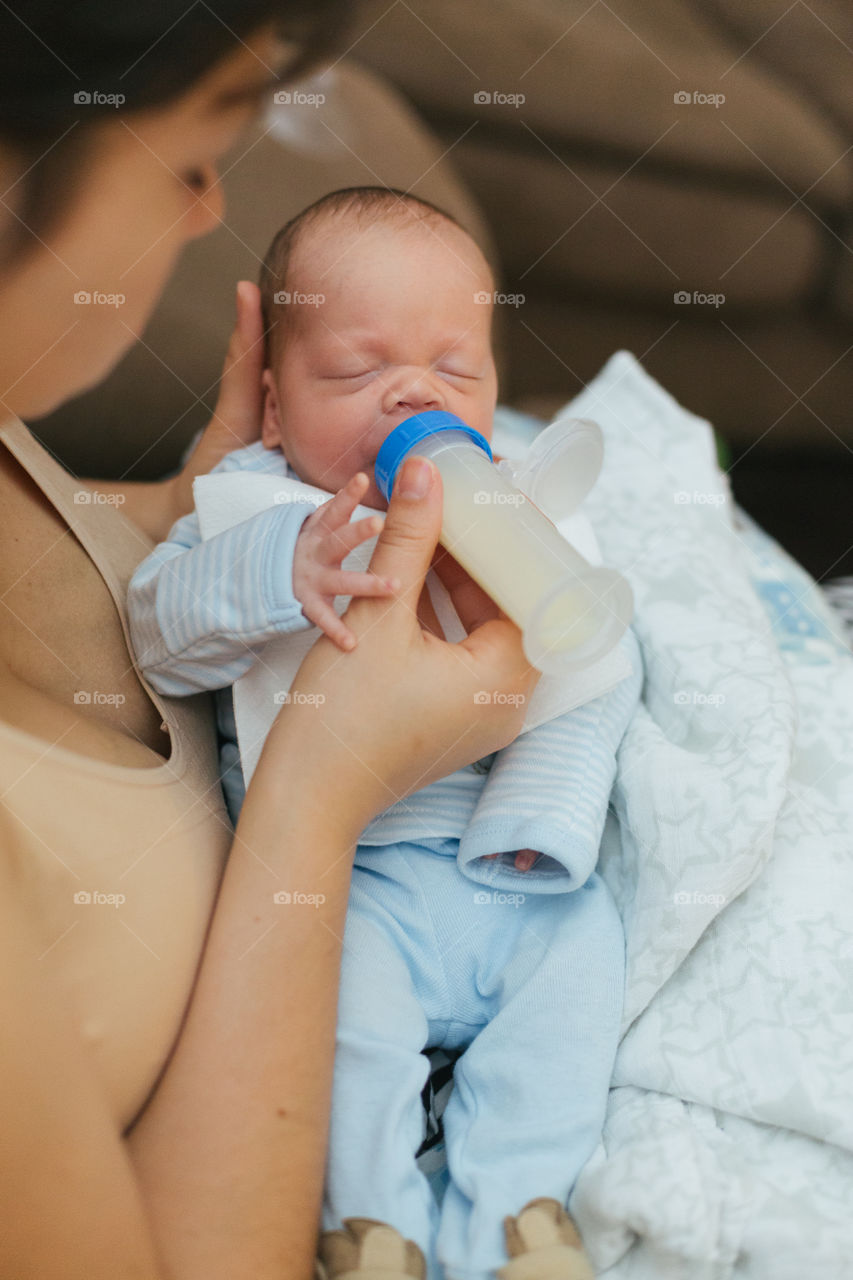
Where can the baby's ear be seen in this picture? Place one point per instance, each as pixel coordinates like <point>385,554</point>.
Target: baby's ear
<point>270,419</point>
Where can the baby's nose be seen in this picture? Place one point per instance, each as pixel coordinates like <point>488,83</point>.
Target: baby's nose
<point>413,391</point>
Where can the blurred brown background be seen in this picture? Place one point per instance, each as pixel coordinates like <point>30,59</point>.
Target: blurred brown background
<point>665,176</point>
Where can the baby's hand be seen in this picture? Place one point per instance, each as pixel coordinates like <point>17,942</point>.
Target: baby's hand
<point>325,540</point>
<point>525,859</point>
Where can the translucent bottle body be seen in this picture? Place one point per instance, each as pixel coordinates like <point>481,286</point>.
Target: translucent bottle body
<point>570,612</point>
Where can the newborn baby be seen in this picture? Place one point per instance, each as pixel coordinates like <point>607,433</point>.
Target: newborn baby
<point>373,301</point>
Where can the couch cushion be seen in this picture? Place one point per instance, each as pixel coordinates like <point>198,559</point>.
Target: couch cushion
<point>648,237</point>
<point>810,45</point>
<point>745,375</point>
<point>593,77</point>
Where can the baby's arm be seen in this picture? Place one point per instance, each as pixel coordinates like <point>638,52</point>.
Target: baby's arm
<point>199,609</point>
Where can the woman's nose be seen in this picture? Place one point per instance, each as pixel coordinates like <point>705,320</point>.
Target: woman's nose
<point>413,391</point>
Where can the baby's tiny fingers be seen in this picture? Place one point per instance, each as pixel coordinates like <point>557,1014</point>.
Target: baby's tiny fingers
<point>324,617</point>
<point>340,542</point>
<point>343,582</point>
<point>338,509</point>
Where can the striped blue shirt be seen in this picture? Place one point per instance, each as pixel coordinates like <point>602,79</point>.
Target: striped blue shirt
<point>200,611</point>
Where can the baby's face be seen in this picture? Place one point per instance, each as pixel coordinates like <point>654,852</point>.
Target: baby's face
<point>400,332</point>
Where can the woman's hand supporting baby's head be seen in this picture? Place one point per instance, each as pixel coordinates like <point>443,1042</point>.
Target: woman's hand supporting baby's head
<point>403,707</point>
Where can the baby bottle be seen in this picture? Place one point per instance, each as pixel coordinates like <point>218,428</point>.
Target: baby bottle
<point>570,613</point>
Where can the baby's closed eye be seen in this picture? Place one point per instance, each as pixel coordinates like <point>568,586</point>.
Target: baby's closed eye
<point>349,375</point>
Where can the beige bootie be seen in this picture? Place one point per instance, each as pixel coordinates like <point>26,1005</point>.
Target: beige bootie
<point>368,1250</point>
<point>544,1244</point>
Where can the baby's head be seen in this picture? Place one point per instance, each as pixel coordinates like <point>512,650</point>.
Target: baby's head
<point>374,303</point>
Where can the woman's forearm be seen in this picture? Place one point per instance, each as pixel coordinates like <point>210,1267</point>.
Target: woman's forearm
<point>230,1151</point>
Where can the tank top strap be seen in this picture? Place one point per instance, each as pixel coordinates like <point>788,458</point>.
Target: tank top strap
<point>115,545</point>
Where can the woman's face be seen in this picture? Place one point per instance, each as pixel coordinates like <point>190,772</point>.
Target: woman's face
<point>72,307</point>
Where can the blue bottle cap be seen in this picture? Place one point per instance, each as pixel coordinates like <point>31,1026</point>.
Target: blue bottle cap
<point>402,440</point>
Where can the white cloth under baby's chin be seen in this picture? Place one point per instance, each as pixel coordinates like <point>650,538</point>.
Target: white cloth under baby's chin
<point>228,498</point>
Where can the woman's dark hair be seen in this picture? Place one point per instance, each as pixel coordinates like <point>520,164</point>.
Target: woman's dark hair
<point>61,60</point>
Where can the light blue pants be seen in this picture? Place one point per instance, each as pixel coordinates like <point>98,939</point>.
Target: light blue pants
<point>532,988</point>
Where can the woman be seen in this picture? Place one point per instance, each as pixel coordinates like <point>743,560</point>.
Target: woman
<point>168,1026</point>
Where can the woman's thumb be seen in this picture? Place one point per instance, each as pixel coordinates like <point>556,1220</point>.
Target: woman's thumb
<point>412,527</point>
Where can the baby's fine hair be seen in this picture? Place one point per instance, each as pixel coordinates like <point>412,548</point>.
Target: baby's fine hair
<point>370,204</point>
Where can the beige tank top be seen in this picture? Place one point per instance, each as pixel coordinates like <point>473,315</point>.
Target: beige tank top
<point>119,866</point>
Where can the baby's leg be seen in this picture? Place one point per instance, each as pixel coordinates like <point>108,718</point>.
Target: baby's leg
<point>377,1119</point>
<point>529,1096</point>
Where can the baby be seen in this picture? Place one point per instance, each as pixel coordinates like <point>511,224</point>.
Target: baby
<point>374,306</point>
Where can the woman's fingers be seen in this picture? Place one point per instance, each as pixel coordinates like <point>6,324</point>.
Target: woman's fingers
<point>409,534</point>
<point>469,599</point>
<point>505,661</point>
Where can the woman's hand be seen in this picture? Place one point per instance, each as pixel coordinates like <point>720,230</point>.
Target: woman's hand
<point>236,419</point>
<point>365,728</point>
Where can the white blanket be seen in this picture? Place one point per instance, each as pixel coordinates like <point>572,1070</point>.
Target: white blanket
<point>728,1149</point>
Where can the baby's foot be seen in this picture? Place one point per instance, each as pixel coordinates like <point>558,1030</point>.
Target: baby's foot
<point>544,1244</point>
<point>368,1250</point>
